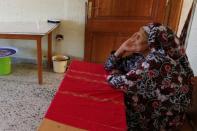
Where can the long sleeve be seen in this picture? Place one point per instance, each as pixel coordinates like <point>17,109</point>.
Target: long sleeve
<point>114,62</point>
<point>121,80</point>
<point>123,64</point>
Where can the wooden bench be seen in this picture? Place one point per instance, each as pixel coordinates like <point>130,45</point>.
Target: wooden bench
<point>84,101</point>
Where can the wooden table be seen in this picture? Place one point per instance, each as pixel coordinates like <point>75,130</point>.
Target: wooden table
<point>30,31</point>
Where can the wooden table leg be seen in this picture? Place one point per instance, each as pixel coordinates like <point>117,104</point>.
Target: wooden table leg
<point>39,59</point>
<point>50,50</point>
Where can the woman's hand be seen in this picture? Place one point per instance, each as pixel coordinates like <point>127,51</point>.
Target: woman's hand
<point>114,71</point>
<point>136,43</point>
<point>127,46</point>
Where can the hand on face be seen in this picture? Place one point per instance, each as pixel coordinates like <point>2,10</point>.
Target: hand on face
<point>136,43</point>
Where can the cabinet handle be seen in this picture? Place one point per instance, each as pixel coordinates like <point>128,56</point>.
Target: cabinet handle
<point>89,9</point>
<point>167,1</point>
<point>86,12</point>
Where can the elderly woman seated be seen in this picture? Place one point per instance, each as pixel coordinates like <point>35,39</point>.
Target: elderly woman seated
<point>155,77</point>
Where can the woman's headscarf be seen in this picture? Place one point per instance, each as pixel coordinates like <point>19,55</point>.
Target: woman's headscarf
<point>164,42</point>
<point>165,75</point>
<point>159,82</point>
<point>162,38</point>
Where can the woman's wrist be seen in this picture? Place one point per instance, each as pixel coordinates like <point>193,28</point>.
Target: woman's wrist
<point>119,52</point>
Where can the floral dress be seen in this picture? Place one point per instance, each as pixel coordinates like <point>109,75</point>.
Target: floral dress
<point>157,87</point>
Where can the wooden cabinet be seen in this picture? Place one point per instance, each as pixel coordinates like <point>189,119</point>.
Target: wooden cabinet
<point>110,22</point>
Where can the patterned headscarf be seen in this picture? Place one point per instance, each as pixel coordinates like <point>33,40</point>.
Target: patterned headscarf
<point>164,44</point>
<point>167,74</point>
<point>158,87</point>
<point>163,39</point>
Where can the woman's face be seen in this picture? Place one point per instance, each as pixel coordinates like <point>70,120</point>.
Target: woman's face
<point>139,41</point>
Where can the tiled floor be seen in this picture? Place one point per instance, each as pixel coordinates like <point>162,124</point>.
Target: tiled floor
<point>23,102</point>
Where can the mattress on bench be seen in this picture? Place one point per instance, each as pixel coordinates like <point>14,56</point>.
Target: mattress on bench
<point>85,101</point>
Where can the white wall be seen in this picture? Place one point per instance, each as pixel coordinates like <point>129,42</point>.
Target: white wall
<point>192,42</point>
<point>192,45</point>
<point>71,12</point>
<point>184,13</point>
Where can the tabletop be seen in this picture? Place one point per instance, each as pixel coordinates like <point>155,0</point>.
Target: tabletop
<point>27,28</point>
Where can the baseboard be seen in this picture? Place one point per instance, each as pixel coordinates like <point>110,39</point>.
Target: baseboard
<point>19,60</point>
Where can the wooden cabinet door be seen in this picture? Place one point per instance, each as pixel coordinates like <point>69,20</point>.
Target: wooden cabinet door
<point>110,22</point>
